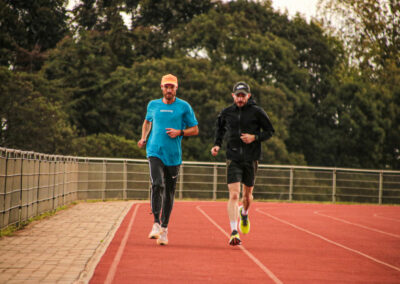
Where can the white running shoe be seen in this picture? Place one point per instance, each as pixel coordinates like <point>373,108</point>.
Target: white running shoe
<point>155,231</point>
<point>163,239</point>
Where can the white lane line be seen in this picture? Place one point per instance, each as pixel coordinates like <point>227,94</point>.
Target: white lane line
<point>117,258</point>
<point>330,241</point>
<point>355,224</point>
<point>249,254</point>
<point>387,218</point>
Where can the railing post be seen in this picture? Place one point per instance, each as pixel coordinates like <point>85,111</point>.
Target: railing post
<point>291,184</point>
<point>54,181</point>
<point>21,188</point>
<point>4,224</point>
<point>3,190</point>
<point>215,182</point>
<point>125,180</point>
<point>380,186</point>
<point>104,182</point>
<point>64,159</point>
<point>38,185</point>
<point>181,182</point>
<point>334,186</point>
<point>6,208</point>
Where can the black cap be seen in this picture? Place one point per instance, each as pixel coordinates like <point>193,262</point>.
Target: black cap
<point>241,88</point>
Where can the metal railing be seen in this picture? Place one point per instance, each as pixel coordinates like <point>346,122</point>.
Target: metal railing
<point>33,183</point>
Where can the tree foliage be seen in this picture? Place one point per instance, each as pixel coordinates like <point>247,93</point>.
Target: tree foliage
<point>92,75</point>
<point>30,118</point>
<point>107,145</point>
<point>28,29</point>
<point>370,30</point>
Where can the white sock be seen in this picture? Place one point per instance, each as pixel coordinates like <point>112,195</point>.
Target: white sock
<point>234,225</point>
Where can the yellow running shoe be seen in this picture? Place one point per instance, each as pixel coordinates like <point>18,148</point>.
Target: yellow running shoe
<point>244,224</point>
<point>235,240</point>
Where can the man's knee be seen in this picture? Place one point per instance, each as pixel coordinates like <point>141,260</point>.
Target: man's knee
<point>234,195</point>
<point>247,198</point>
<point>157,186</point>
<point>248,192</point>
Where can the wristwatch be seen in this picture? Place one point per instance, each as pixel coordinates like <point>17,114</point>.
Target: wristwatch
<point>182,133</point>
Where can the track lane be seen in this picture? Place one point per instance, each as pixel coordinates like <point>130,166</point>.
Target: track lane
<point>199,252</point>
<point>196,252</point>
<point>360,256</point>
<point>249,254</point>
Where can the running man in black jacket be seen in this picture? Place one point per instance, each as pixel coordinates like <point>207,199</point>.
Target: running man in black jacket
<point>246,125</point>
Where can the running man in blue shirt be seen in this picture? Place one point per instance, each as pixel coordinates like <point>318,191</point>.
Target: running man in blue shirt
<point>167,120</point>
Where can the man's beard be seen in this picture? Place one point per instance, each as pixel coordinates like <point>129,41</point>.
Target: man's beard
<point>169,97</point>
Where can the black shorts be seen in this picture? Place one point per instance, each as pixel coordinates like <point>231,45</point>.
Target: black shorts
<point>241,171</point>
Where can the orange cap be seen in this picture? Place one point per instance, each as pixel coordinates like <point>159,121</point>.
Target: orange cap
<point>169,79</point>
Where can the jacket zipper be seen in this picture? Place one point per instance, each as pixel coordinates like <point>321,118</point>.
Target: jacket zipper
<point>240,133</point>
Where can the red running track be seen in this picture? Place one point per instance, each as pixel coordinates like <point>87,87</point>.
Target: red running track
<point>288,243</point>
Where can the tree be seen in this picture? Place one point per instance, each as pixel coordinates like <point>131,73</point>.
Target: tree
<point>107,145</point>
<point>31,119</point>
<point>370,30</point>
<point>203,85</point>
<point>356,116</point>
<point>390,95</point>
<point>293,56</point>
<point>28,29</point>
<point>166,15</point>
<point>82,67</point>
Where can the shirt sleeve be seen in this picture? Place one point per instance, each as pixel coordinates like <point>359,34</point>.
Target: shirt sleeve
<point>266,125</point>
<point>189,118</point>
<point>149,114</point>
<point>220,130</point>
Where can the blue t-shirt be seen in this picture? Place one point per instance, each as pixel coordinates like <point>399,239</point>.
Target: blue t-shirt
<point>178,115</point>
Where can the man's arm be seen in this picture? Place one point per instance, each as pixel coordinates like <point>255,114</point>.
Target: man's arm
<point>190,131</point>
<point>145,132</point>
<point>219,135</point>
<point>266,126</point>
<point>220,130</point>
<point>266,129</point>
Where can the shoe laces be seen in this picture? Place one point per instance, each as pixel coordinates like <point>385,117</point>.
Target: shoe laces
<point>244,220</point>
<point>163,233</point>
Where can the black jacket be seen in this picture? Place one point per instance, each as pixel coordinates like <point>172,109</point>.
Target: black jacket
<point>233,121</point>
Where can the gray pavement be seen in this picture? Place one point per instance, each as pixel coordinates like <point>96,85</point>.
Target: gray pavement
<point>64,248</point>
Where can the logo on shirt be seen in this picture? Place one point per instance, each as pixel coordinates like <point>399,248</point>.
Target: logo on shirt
<point>166,110</point>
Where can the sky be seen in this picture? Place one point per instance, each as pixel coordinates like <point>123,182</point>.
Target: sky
<point>307,8</point>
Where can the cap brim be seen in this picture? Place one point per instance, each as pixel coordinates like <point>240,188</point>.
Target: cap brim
<point>169,83</point>
<point>240,92</point>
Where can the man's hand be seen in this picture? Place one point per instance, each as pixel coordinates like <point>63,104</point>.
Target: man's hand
<point>173,133</point>
<point>141,143</point>
<point>214,150</point>
<point>247,138</point>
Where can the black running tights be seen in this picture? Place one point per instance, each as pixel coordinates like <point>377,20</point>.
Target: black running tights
<point>163,184</point>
